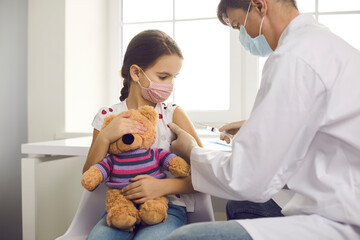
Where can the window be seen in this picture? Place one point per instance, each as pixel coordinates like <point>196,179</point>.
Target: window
<point>205,43</point>
<point>341,17</point>
<point>216,67</point>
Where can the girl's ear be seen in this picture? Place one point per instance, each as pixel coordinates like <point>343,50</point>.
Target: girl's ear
<point>135,72</point>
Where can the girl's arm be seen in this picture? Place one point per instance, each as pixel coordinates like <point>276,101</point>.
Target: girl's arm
<point>145,187</point>
<point>98,150</point>
<point>101,139</point>
<point>182,120</point>
<point>182,185</point>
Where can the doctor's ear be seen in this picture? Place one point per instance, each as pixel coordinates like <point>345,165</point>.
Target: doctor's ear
<point>260,5</point>
<point>135,72</point>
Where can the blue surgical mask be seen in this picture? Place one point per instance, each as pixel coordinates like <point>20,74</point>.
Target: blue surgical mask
<point>257,46</point>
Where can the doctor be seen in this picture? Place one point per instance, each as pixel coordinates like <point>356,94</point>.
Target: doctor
<point>303,132</point>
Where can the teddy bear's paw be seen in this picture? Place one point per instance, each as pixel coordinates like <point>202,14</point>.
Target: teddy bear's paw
<point>154,211</point>
<point>179,167</point>
<point>91,178</point>
<point>123,218</point>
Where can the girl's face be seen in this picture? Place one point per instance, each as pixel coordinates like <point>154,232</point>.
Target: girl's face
<point>165,69</point>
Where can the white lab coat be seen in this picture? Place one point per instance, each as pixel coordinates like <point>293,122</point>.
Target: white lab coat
<point>304,131</point>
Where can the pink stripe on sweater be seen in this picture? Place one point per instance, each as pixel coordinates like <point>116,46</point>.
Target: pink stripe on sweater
<point>156,154</point>
<point>163,153</point>
<point>132,159</point>
<point>105,162</point>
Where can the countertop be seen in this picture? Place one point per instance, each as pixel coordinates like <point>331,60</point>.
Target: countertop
<point>80,146</point>
<point>67,147</point>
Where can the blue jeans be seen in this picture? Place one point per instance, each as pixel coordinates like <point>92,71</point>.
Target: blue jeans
<point>228,230</point>
<point>175,219</point>
<point>250,210</point>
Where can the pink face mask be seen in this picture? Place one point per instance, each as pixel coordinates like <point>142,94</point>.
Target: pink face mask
<point>156,92</point>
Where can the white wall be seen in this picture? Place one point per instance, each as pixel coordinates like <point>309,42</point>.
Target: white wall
<point>86,62</point>
<point>13,108</point>
<point>68,60</point>
<point>68,55</point>
<point>46,69</point>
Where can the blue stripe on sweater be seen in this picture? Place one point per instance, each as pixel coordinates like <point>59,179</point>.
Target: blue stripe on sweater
<point>126,156</point>
<point>105,168</point>
<point>134,175</point>
<point>164,158</point>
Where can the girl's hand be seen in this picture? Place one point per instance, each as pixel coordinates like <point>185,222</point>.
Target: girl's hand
<point>231,128</point>
<point>120,126</point>
<point>143,188</point>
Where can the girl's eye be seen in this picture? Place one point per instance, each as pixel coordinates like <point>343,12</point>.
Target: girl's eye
<point>163,77</point>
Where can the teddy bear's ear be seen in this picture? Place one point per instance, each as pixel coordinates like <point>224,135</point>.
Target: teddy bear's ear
<point>150,113</point>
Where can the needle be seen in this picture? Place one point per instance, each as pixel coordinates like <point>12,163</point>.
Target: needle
<point>216,130</point>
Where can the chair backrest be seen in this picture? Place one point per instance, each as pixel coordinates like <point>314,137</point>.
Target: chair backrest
<point>92,207</point>
<point>203,210</point>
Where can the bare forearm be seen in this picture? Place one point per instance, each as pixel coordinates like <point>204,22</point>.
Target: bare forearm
<point>97,152</point>
<point>177,186</point>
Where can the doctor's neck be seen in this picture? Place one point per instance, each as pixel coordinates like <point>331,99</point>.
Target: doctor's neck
<point>278,16</point>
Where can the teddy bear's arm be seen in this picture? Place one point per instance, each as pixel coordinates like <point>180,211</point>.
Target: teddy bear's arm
<point>91,178</point>
<point>169,161</point>
<point>179,167</point>
<point>100,171</point>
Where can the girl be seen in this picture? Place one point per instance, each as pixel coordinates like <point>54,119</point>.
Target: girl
<point>151,62</point>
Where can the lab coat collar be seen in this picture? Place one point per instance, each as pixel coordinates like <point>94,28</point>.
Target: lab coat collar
<point>299,21</point>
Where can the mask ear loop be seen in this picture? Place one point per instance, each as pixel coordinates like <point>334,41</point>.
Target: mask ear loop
<point>145,76</point>
<point>247,14</point>
<point>261,24</point>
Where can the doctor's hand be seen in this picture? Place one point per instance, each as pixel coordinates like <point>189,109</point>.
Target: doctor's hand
<point>231,128</point>
<point>184,143</point>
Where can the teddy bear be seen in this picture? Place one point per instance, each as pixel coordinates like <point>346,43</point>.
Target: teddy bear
<point>129,156</point>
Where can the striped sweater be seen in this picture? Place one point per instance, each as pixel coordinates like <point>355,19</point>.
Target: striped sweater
<point>119,168</point>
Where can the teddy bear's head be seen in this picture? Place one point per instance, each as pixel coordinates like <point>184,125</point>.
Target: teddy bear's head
<point>145,115</point>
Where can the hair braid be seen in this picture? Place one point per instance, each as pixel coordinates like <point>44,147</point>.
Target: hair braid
<point>124,93</point>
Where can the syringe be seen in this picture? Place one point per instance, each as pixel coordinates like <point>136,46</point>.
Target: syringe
<point>216,130</point>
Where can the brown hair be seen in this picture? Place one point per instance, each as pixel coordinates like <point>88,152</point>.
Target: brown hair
<point>143,50</point>
<point>243,4</point>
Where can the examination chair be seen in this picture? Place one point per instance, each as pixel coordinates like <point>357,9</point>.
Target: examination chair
<point>92,207</point>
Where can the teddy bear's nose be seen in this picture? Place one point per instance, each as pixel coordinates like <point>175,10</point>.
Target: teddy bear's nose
<point>128,139</point>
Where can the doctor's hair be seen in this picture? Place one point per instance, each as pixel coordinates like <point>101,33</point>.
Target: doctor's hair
<point>243,4</point>
<point>143,50</point>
